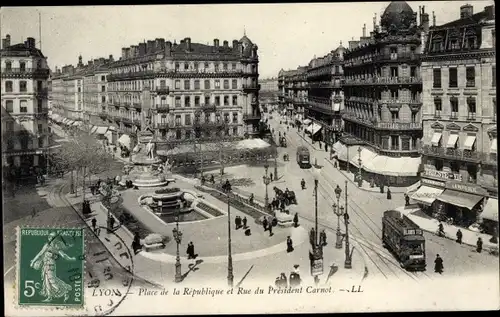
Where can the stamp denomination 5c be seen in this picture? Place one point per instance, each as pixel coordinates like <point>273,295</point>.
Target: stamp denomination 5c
<point>50,267</point>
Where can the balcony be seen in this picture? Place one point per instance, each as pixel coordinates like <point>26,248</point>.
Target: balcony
<point>361,99</point>
<point>453,154</point>
<point>396,57</point>
<point>326,84</point>
<point>251,116</point>
<point>398,101</point>
<point>136,121</point>
<point>131,75</point>
<point>162,90</point>
<point>162,125</point>
<point>126,120</point>
<point>41,93</point>
<point>373,122</point>
<point>24,72</point>
<point>247,87</point>
<point>382,81</point>
<point>471,116</point>
<point>209,108</point>
<point>137,105</point>
<point>163,108</point>
<point>299,100</point>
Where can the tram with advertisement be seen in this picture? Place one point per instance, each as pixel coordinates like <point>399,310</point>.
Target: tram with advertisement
<point>303,157</point>
<point>405,239</point>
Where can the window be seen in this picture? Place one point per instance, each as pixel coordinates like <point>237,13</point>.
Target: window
<point>9,105</point>
<point>196,66</point>
<point>217,101</point>
<point>234,66</point>
<point>22,66</point>
<point>394,142</point>
<point>493,38</point>
<point>470,77</point>
<point>187,119</point>
<point>226,117</point>
<point>235,100</point>
<point>436,77</point>
<point>187,101</point>
<point>455,167</point>
<point>177,66</point>
<point>216,67</point>
<point>414,143</point>
<point>436,46</point>
<point>337,69</point>
<point>494,101</point>
<point>23,108</point>
<point>177,101</point>
<point>79,89</point>
<point>217,118</point>
<point>394,72</point>
<point>206,65</point>
<point>394,115</point>
<point>234,84</point>
<point>186,66</point>
<point>413,117</point>
<point>8,86</point>
<point>454,107</point>
<point>40,105</point>
<point>23,86</point>
<point>394,53</point>
<point>454,44</point>
<point>187,85</point>
<point>207,117</point>
<point>394,93</point>
<point>226,100</point>
<point>438,164</point>
<point>226,84</point>
<point>103,88</point>
<point>470,43</point>
<point>178,120</point>
<point>235,131</point>
<point>163,83</point>
<point>8,65</point>
<point>438,106</point>
<point>40,142</point>
<point>472,170</point>
<point>197,84</point>
<point>413,71</point>
<point>235,117</point>
<point>207,84</point>
<point>494,76</point>
<point>471,107</point>
<point>178,134</point>
<point>207,100</point>
<point>217,84</point>
<point>197,101</point>
<point>188,134</point>
<point>453,78</point>
<point>103,99</point>
<point>177,84</point>
<point>224,66</point>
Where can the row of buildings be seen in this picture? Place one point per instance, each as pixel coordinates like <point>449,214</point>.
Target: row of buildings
<point>25,124</point>
<point>179,91</point>
<point>410,101</point>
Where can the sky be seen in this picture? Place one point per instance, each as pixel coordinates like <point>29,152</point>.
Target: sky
<point>287,35</point>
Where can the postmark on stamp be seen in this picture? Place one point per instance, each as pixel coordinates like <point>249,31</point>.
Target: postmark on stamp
<point>50,267</point>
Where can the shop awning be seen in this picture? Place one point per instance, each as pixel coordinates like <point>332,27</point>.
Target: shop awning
<point>426,195</point>
<point>469,142</point>
<point>452,140</point>
<point>340,150</point>
<point>315,128</point>
<point>493,148</point>
<point>490,211</point>
<point>436,137</point>
<point>307,121</point>
<point>101,130</point>
<point>366,155</point>
<point>124,140</point>
<point>392,166</point>
<point>459,199</point>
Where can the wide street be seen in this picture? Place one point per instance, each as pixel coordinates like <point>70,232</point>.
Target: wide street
<point>365,210</point>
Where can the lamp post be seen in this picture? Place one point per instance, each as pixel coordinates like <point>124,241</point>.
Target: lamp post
<point>276,167</point>
<point>338,210</point>
<point>266,180</point>
<point>178,238</point>
<point>359,170</point>
<point>317,254</point>
<point>347,263</point>
<point>230,277</point>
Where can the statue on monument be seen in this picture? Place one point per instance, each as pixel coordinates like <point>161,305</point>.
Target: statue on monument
<point>150,150</point>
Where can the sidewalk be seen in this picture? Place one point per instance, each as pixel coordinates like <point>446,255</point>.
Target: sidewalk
<point>431,225</point>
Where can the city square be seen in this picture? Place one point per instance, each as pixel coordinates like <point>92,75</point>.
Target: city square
<point>372,165</point>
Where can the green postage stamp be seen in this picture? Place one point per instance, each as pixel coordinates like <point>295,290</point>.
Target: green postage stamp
<point>50,267</point>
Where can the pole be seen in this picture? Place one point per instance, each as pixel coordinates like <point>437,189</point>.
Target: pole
<point>40,29</point>
<point>316,212</point>
<point>230,276</point>
<point>178,275</point>
<point>275,167</point>
<point>347,263</point>
<point>338,243</point>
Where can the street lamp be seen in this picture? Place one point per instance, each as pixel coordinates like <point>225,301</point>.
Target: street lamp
<point>360,181</point>
<point>266,180</point>
<point>317,254</point>
<point>230,277</point>
<point>338,211</point>
<point>276,167</point>
<point>347,263</point>
<point>178,238</point>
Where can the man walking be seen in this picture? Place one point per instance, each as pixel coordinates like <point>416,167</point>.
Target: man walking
<point>479,245</point>
<point>245,222</point>
<point>264,224</point>
<point>459,236</point>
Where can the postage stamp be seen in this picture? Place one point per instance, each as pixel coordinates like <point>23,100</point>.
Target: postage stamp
<point>50,267</point>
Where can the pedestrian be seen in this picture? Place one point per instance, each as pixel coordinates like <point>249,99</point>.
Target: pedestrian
<point>294,280</point>
<point>190,251</point>
<point>283,281</point>
<point>407,200</point>
<point>289,245</point>
<point>94,224</point>
<point>296,220</point>
<point>438,265</point>
<point>335,164</point>
<point>323,237</point>
<point>389,196</point>
<point>264,223</point>
<point>270,227</point>
<point>271,176</point>
<point>245,222</point>
<point>479,245</point>
<point>33,213</point>
<point>320,145</point>
<point>459,236</point>
<point>111,222</point>
<point>238,222</point>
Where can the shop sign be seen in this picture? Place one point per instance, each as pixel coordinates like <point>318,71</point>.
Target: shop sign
<point>432,182</point>
<point>473,189</point>
<point>443,175</point>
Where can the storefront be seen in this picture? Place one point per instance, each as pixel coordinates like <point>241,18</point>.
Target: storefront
<point>427,194</point>
<point>489,216</point>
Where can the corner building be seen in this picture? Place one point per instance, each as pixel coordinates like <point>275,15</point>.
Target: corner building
<point>25,127</point>
<point>459,151</point>
<point>185,90</point>
<point>382,116</point>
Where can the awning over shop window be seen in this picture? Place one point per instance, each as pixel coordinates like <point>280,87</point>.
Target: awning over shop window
<point>452,140</point>
<point>490,211</point>
<point>340,150</point>
<point>427,195</point>
<point>124,140</point>
<point>413,188</point>
<point>436,137</point>
<point>469,142</point>
<point>459,199</point>
<point>101,130</point>
<point>392,166</point>
<point>315,128</point>
<point>366,156</point>
<point>307,121</point>
<point>493,148</point>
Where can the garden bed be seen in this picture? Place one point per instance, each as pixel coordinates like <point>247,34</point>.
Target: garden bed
<point>209,209</point>
<point>128,220</point>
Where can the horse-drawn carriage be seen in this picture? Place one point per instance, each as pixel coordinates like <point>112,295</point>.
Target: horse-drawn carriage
<point>287,196</point>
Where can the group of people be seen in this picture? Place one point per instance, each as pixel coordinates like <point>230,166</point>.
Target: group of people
<point>322,237</point>
<point>203,179</point>
<point>293,281</point>
<point>240,223</point>
<point>459,235</point>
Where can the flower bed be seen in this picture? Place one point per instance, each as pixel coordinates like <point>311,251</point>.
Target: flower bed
<point>167,190</point>
<point>213,211</point>
<point>128,220</point>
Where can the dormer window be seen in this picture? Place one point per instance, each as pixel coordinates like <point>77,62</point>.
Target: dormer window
<point>471,42</point>
<point>454,44</point>
<point>436,46</point>
<point>8,65</point>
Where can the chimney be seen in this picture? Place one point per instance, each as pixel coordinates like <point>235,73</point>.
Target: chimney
<point>160,44</point>
<point>168,48</point>
<point>375,22</point>
<point>433,19</point>
<point>128,52</point>
<point>364,30</point>
<point>102,60</point>
<point>216,43</point>
<point>226,44</point>
<point>490,12</point>
<point>90,63</point>
<point>466,11</point>
<point>187,40</point>
<point>3,43</point>
<point>425,22</point>
<point>235,44</point>
<point>124,52</point>
<point>7,40</point>
<point>30,42</point>
<point>142,49</point>
<point>150,47</point>
<point>111,58</point>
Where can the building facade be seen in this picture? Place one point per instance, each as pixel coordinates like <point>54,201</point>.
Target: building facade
<point>25,128</point>
<point>268,85</point>
<point>293,92</point>
<point>459,151</point>
<point>382,91</point>
<point>325,96</point>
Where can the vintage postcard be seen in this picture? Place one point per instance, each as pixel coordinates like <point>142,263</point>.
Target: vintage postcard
<point>249,158</point>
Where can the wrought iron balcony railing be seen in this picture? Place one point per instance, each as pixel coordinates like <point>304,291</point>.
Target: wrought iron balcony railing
<point>373,122</point>
<point>251,116</point>
<point>455,154</point>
